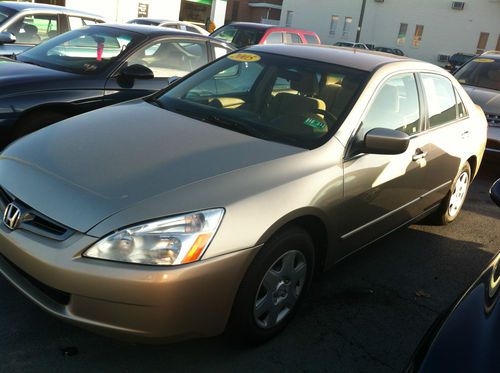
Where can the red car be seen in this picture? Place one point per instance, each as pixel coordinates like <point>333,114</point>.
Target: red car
<point>242,34</point>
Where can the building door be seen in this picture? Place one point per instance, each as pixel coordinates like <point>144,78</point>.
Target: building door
<point>483,40</point>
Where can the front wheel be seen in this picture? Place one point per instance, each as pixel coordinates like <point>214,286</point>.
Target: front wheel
<point>454,201</point>
<point>273,287</point>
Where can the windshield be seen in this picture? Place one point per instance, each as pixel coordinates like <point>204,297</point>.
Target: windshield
<point>87,50</point>
<point>278,98</point>
<point>5,13</point>
<point>481,72</point>
<point>240,37</point>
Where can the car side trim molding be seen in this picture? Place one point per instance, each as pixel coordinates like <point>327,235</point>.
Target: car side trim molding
<point>380,218</point>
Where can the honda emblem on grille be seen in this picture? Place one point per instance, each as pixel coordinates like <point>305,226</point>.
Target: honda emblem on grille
<point>12,216</point>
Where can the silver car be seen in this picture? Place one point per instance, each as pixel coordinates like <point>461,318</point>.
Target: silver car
<point>209,206</point>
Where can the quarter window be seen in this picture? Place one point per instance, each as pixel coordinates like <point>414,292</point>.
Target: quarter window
<point>396,106</point>
<point>441,100</point>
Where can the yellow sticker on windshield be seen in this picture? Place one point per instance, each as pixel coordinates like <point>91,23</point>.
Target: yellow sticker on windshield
<point>244,57</point>
<point>483,60</point>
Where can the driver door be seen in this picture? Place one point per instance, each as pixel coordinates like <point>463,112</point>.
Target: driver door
<point>166,58</point>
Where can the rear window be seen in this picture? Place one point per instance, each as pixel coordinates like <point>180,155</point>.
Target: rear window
<point>240,37</point>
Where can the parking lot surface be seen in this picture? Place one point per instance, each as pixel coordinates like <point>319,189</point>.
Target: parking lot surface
<point>366,315</point>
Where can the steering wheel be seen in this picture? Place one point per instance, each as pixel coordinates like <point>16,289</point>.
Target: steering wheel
<point>326,114</point>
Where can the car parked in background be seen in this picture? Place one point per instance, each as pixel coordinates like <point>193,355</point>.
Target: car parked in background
<point>24,25</point>
<point>210,205</point>
<point>457,60</point>
<point>396,51</point>
<point>94,67</point>
<point>243,34</point>
<point>480,77</point>
<point>350,44</point>
<point>465,338</point>
<point>179,25</point>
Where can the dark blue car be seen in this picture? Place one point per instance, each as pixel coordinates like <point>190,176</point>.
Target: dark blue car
<point>93,67</point>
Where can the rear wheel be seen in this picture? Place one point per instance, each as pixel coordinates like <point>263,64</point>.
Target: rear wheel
<point>273,287</point>
<point>452,204</point>
<point>34,121</point>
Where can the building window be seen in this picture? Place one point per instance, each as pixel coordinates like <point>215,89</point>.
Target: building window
<point>289,18</point>
<point>347,27</point>
<point>417,37</point>
<point>403,29</point>
<point>483,40</point>
<point>498,44</point>
<point>333,24</point>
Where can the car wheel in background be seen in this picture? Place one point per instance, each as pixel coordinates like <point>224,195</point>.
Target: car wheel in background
<point>273,287</point>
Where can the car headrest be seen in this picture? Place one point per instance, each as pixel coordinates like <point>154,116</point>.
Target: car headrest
<point>307,84</point>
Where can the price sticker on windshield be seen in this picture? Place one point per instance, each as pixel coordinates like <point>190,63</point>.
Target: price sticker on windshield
<point>484,60</point>
<point>244,57</point>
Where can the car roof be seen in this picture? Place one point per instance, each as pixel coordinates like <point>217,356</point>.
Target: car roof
<point>359,59</point>
<point>20,6</point>
<point>154,30</point>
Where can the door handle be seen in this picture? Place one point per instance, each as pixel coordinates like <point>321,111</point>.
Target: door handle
<point>419,154</point>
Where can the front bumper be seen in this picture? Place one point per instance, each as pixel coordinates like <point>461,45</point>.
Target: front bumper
<point>134,302</point>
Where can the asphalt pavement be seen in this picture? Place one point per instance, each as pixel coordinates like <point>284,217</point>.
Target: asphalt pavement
<point>366,315</point>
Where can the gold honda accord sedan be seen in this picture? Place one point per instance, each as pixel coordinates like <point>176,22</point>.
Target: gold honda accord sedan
<point>209,206</point>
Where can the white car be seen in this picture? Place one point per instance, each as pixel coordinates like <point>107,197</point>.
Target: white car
<point>179,25</point>
<point>350,44</point>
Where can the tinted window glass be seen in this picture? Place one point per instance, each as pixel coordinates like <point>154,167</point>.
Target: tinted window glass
<point>481,72</point>
<point>441,101</point>
<point>268,96</point>
<point>33,29</point>
<point>171,58</point>
<point>85,51</point>
<point>274,38</point>
<point>311,39</point>
<point>395,107</point>
<point>240,37</point>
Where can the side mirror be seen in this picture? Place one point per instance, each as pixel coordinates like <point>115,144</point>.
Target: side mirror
<point>137,72</point>
<point>495,192</point>
<point>385,141</point>
<point>7,38</point>
<point>173,79</point>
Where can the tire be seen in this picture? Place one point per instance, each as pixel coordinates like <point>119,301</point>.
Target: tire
<point>34,121</point>
<point>453,202</point>
<point>273,287</point>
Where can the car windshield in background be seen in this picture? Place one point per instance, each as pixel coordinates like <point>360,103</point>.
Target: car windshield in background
<point>85,51</point>
<point>5,14</point>
<point>240,37</point>
<point>481,72</point>
<point>278,98</point>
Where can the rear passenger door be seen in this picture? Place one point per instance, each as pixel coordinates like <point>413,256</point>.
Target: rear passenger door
<point>446,132</point>
<point>166,58</point>
<point>381,191</point>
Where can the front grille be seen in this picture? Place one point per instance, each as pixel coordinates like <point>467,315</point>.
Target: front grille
<point>58,296</point>
<point>33,221</point>
<point>493,120</point>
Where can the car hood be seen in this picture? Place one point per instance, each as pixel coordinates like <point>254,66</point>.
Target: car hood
<point>82,170</point>
<point>488,99</point>
<point>17,76</point>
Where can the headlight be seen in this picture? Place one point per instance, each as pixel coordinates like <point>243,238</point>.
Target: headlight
<point>171,241</point>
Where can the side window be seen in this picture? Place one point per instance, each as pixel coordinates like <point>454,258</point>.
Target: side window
<point>220,51</point>
<point>75,23</point>
<point>33,29</point>
<point>311,39</point>
<point>462,111</point>
<point>169,58</point>
<point>291,37</point>
<point>441,100</point>
<point>274,38</point>
<point>396,106</point>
